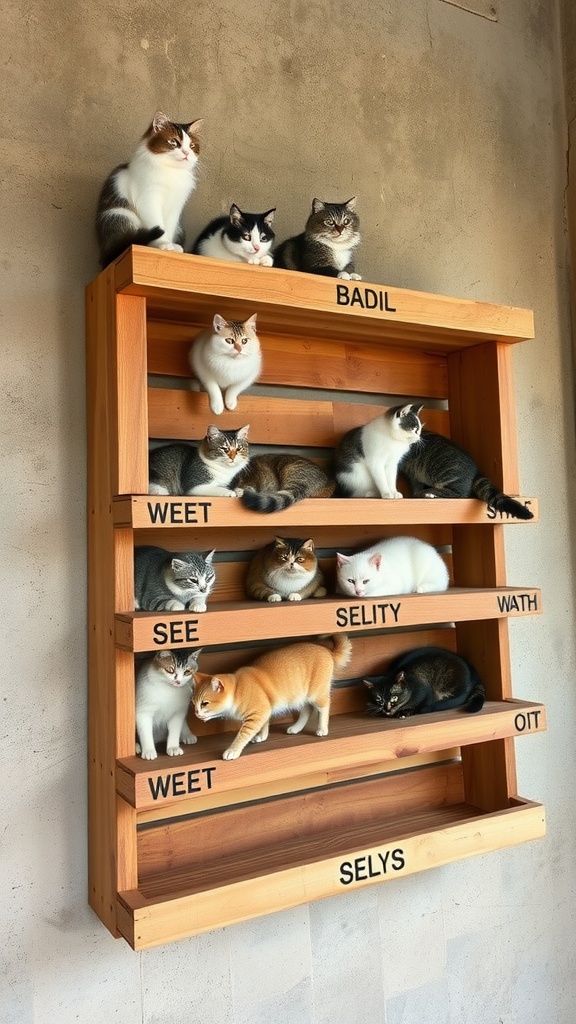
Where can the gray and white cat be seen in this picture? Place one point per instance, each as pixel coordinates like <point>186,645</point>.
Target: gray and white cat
<point>164,686</point>
<point>165,581</point>
<point>366,460</point>
<point>226,360</point>
<point>207,468</point>
<point>326,246</point>
<point>240,237</point>
<point>141,202</point>
<point>398,565</point>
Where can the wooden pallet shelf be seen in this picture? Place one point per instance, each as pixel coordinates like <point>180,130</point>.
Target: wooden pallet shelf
<point>181,845</point>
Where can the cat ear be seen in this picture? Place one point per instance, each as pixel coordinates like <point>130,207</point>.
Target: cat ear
<point>219,323</point>
<point>250,323</point>
<point>194,127</point>
<point>341,559</point>
<point>235,214</point>
<point>177,563</point>
<point>369,684</point>
<point>406,409</point>
<point>308,545</point>
<point>375,559</point>
<point>401,678</point>
<point>350,204</point>
<point>160,121</point>
<point>217,685</point>
<point>317,205</point>
<point>417,409</point>
<point>194,655</point>
<point>279,542</point>
<point>212,432</point>
<point>268,217</point>
<point>243,432</point>
<point>210,555</point>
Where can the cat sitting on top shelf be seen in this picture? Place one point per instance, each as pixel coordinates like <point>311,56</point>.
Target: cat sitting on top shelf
<point>326,246</point>
<point>240,237</point>
<point>141,202</point>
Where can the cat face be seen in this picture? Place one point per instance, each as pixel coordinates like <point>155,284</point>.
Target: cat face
<point>177,668</point>
<point>387,696</point>
<point>235,339</point>
<point>210,698</point>
<point>334,223</point>
<point>226,446</point>
<point>293,557</point>
<point>192,574</point>
<point>356,573</point>
<point>175,144</point>
<point>250,234</point>
<point>405,422</point>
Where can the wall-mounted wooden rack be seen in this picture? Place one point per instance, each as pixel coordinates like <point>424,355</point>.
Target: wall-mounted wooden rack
<point>182,845</point>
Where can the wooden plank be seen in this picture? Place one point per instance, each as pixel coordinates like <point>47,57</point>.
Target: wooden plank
<point>353,740</point>
<point>185,286</point>
<point>182,512</point>
<point>128,397</point>
<point>448,835</point>
<point>146,631</point>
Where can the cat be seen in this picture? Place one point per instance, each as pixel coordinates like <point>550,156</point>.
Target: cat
<point>167,581</point>
<point>285,570</point>
<point>226,360</point>
<point>425,679</point>
<point>399,565</point>
<point>366,459</point>
<point>240,237</point>
<point>293,678</point>
<point>273,482</point>
<point>439,468</point>
<point>326,245</point>
<point>141,202</point>
<point>204,469</point>
<point>163,691</point>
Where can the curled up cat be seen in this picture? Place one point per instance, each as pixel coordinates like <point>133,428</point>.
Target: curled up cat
<point>327,244</point>
<point>293,678</point>
<point>271,482</point>
<point>398,565</point>
<point>423,680</point>
<point>173,582</point>
<point>285,570</point>
<point>163,691</point>
<point>226,359</point>
<point>240,237</point>
<point>141,202</point>
<point>206,468</point>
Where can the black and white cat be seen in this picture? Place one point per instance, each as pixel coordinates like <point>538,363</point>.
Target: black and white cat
<point>208,468</point>
<point>240,237</point>
<point>423,680</point>
<point>326,246</point>
<point>141,202</point>
<point>366,459</point>
<point>164,686</point>
<point>167,581</point>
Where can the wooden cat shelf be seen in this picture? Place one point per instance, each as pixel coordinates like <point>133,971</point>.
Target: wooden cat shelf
<point>181,845</point>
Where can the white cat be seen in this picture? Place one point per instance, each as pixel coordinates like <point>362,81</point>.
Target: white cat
<point>226,360</point>
<point>366,460</point>
<point>163,690</point>
<point>141,202</point>
<point>399,565</point>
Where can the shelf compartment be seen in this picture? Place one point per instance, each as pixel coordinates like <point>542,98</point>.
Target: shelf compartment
<point>354,740</point>
<point>151,511</point>
<point>249,620</point>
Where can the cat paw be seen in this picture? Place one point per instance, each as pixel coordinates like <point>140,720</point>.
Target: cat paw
<point>231,403</point>
<point>355,277</point>
<point>197,607</point>
<point>321,732</point>
<point>428,495</point>
<point>174,751</point>
<point>397,494</point>
<point>217,407</point>
<point>149,754</point>
<point>274,597</point>
<point>188,737</point>
<point>266,261</point>
<point>239,491</point>
<point>293,730</point>
<point>174,606</point>
<point>170,247</point>
<point>230,754</point>
<point>294,596</point>
<point>344,276</point>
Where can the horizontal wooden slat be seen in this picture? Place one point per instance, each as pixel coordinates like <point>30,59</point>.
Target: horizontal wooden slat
<point>184,287</point>
<point>353,740</point>
<point>301,872</point>
<point>146,631</point>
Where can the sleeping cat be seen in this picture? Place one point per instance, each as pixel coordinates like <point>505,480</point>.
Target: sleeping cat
<point>226,360</point>
<point>167,581</point>
<point>285,570</point>
<point>205,469</point>
<point>273,482</point>
<point>366,459</point>
<point>399,565</point>
<point>293,678</point>
<point>425,679</point>
<point>163,691</point>
<point>327,244</point>
<point>240,237</point>
<point>439,468</point>
<point>141,202</point>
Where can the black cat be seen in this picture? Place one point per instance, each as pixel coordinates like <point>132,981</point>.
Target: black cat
<point>425,679</point>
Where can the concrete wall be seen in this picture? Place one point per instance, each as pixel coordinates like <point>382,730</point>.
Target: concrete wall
<point>451,129</point>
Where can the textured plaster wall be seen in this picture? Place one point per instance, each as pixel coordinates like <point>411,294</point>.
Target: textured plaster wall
<point>451,128</point>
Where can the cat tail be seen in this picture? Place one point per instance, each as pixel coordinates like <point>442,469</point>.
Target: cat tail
<point>143,236</point>
<point>263,501</point>
<point>478,695</point>
<point>341,649</point>
<point>484,489</point>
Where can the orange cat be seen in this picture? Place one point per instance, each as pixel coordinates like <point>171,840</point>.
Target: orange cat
<point>294,678</point>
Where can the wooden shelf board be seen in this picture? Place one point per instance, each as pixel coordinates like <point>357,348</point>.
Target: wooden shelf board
<point>152,511</point>
<point>251,620</point>
<point>354,740</point>
<point>233,889</point>
<point>184,287</point>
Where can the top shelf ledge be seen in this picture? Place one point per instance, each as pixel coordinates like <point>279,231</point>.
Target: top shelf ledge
<point>187,288</point>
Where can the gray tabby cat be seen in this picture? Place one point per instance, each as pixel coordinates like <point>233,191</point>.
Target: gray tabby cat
<point>206,469</point>
<point>164,581</point>
<point>273,482</point>
<point>327,243</point>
